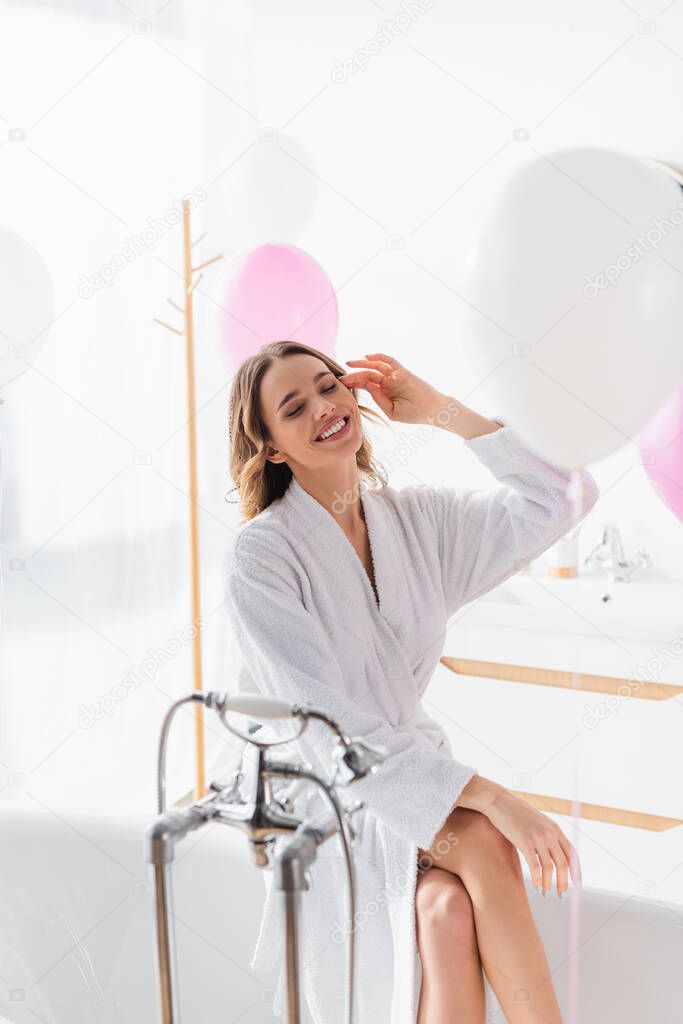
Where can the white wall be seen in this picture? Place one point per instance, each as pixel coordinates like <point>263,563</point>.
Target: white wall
<point>123,112</point>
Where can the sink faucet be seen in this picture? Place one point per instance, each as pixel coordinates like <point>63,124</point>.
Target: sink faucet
<point>610,553</point>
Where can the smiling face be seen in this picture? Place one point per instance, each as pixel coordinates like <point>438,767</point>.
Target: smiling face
<point>300,399</point>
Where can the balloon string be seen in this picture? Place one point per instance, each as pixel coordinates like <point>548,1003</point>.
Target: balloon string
<point>575,493</point>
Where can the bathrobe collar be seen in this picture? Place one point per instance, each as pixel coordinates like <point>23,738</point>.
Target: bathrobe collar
<point>312,516</point>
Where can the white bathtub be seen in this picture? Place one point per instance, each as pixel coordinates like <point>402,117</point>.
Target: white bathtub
<point>77,938</point>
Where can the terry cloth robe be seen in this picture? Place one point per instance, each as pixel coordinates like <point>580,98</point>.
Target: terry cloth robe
<point>309,629</point>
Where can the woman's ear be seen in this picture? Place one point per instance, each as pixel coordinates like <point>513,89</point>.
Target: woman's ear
<point>275,455</point>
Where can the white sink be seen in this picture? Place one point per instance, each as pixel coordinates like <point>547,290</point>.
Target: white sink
<point>647,607</point>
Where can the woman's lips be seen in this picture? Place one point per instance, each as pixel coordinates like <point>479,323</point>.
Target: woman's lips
<point>339,433</point>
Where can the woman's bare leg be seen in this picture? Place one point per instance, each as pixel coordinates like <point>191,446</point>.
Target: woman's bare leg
<point>452,982</point>
<point>510,948</point>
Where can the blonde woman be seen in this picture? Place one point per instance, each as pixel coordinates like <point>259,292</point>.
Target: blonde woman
<point>339,588</point>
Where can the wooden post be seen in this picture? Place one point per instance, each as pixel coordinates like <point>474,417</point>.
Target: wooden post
<point>200,782</point>
<point>188,333</point>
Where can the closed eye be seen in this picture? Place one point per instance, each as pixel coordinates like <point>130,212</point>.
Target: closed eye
<point>298,409</point>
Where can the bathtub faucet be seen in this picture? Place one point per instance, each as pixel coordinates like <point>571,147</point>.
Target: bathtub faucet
<point>262,817</point>
<point>268,816</point>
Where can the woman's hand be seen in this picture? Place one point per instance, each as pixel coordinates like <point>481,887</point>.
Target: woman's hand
<point>538,838</point>
<point>401,395</point>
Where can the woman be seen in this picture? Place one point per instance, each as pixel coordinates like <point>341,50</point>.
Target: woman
<point>339,596</point>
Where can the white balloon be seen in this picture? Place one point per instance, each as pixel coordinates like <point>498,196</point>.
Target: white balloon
<point>270,194</point>
<point>579,266</point>
<point>26,305</point>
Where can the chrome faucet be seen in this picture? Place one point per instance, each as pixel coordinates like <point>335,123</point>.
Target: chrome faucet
<point>610,553</point>
<point>262,816</point>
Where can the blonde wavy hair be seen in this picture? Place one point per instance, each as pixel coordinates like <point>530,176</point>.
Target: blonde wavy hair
<point>259,481</point>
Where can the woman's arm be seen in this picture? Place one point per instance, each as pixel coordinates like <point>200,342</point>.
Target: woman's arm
<point>450,414</point>
<point>485,536</point>
<point>542,843</point>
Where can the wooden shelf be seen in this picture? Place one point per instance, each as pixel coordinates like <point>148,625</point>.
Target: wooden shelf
<point>619,687</point>
<point>596,812</point>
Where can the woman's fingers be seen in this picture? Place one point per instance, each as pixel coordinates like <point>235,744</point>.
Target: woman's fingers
<point>393,363</point>
<point>531,857</point>
<point>382,364</point>
<point>572,859</point>
<point>561,867</point>
<point>558,853</point>
<point>547,868</point>
<point>361,378</point>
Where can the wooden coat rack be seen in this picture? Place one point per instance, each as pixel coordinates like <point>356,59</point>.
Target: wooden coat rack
<point>188,332</point>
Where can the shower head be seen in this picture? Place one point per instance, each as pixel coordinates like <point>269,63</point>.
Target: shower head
<point>360,758</point>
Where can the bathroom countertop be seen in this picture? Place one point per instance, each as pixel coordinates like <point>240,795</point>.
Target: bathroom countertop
<point>643,609</point>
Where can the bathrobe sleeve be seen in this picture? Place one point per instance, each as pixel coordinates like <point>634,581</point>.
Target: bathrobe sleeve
<point>484,537</point>
<point>289,656</point>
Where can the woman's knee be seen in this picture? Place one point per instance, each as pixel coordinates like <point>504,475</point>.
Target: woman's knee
<point>444,909</point>
<point>475,846</point>
<point>483,849</point>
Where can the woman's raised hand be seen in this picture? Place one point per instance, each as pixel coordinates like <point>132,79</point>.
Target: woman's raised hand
<point>401,395</point>
<point>542,843</point>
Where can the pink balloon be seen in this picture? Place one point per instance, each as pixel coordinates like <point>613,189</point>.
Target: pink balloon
<point>661,446</point>
<point>278,293</point>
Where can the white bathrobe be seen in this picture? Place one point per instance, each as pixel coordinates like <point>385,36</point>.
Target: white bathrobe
<point>309,629</point>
